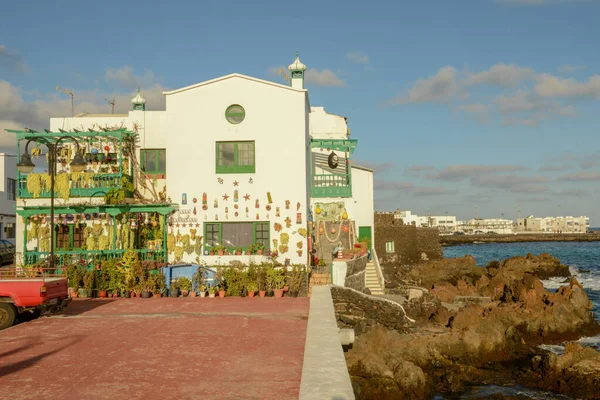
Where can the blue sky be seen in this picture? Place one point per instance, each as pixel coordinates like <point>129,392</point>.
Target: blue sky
<point>461,106</point>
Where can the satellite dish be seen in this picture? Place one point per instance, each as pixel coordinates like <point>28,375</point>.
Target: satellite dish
<point>332,160</point>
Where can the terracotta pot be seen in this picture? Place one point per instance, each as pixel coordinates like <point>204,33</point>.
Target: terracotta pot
<point>184,293</point>
<point>248,253</point>
<point>262,293</point>
<point>251,294</point>
<point>259,252</point>
<point>115,295</point>
<point>102,293</point>
<point>221,293</point>
<point>220,252</point>
<point>278,292</point>
<point>192,294</point>
<point>157,295</point>
<point>74,294</point>
<point>286,288</point>
<point>212,253</point>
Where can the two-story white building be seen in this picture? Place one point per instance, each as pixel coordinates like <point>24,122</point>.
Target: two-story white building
<point>7,197</point>
<point>246,165</point>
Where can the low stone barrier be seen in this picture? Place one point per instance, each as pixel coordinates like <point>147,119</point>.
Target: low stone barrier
<point>351,273</point>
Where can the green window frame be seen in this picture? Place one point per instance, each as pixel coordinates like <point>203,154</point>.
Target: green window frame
<point>154,161</point>
<point>213,234</point>
<point>235,114</point>
<point>69,237</point>
<point>235,157</point>
<point>389,247</point>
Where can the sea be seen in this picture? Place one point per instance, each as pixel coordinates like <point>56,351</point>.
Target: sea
<point>583,259</point>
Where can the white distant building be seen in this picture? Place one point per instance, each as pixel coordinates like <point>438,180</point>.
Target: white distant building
<point>445,224</point>
<point>566,224</point>
<point>8,187</point>
<point>487,225</point>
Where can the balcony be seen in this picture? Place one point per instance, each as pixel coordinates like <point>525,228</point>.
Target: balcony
<point>331,185</point>
<point>96,185</point>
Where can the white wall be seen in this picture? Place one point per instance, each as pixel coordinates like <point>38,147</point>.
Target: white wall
<point>327,126</point>
<point>275,119</point>
<point>8,166</point>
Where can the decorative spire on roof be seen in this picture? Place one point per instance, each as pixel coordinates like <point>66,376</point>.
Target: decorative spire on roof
<point>297,73</point>
<point>297,65</point>
<point>138,102</point>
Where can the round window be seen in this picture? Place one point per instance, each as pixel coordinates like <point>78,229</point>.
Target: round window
<point>235,114</point>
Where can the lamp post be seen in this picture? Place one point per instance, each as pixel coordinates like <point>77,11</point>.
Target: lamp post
<point>26,166</point>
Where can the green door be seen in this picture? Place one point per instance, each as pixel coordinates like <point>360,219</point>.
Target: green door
<point>365,231</point>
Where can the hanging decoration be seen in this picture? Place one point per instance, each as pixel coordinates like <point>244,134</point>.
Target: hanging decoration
<point>184,198</point>
<point>298,218</point>
<point>277,211</point>
<point>321,231</point>
<point>226,210</point>
<point>346,229</point>
<point>288,222</point>
<point>277,226</point>
<point>220,180</point>
<point>236,214</point>
<point>332,160</point>
<point>235,206</point>
<point>298,206</point>
<point>257,216</point>
<point>216,203</point>
<point>275,243</point>
<point>287,204</point>
<point>247,212</point>
<point>344,215</point>
<point>204,207</point>
<point>194,209</point>
<point>268,207</point>
<point>302,232</point>
<point>194,200</point>
<point>204,200</point>
<point>246,197</point>
<point>251,181</point>
<point>269,198</point>
<point>257,204</point>
<point>235,183</point>
<point>318,210</point>
<point>235,196</point>
<point>216,217</point>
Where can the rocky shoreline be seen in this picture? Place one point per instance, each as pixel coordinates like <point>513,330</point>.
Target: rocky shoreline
<point>473,326</point>
<point>455,240</point>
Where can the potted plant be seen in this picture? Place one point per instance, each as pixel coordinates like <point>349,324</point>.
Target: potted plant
<point>159,284</point>
<point>276,281</point>
<point>174,288</point>
<point>211,291</point>
<point>220,249</point>
<point>251,250</point>
<point>261,281</point>
<point>202,290</point>
<point>238,251</point>
<point>88,283</point>
<point>252,288</point>
<point>222,290</point>
<point>138,289</point>
<point>147,287</point>
<point>185,285</point>
<point>211,251</point>
<point>260,248</point>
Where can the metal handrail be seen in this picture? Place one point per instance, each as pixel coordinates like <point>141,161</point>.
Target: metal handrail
<point>378,268</point>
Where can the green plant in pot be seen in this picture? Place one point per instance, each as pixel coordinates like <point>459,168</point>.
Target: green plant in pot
<point>261,280</point>
<point>160,284</point>
<point>212,290</point>
<point>252,287</point>
<point>220,249</point>
<point>174,289</point>
<point>185,285</point>
<point>276,280</point>
<point>251,250</point>
<point>260,248</point>
<point>202,290</point>
<point>89,280</point>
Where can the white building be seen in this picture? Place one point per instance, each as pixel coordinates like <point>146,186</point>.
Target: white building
<point>445,223</point>
<point>487,225</point>
<point>567,224</point>
<point>244,162</point>
<point>7,197</point>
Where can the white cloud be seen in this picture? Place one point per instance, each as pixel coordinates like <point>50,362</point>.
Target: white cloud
<point>358,57</point>
<point>570,68</point>
<point>551,86</point>
<point>461,172</point>
<point>526,108</point>
<point>125,76</point>
<point>582,176</point>
<point>324,77</point>
<point>11,60</point>
<point>439,88</point>
<point>500,75</point>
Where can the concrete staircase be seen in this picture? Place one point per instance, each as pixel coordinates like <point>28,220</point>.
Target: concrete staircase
<point>372,277</point>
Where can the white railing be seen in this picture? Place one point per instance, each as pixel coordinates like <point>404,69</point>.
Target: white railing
<point>378,268</point>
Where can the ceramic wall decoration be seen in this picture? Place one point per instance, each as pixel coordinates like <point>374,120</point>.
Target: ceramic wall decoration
<point>216,217</point>
<point>251,181</point>
<point>235,206</point>
<point>235,196</point>
<point>225,197</point>
<point>268,207</point>
<point>236,214</point>
<point>236,183</point>
<point>288,222</point>
<point>287,204</point>
<point>277,212</point>
<point>269,198</point>
<point>257,216</point>
<point>298,206</point>
<point>216,203</point>
<point>204,207</point>
<point>257,204</point>
<point>220,180</point>
<point>194,211</point>
<point>298,218</point>
<point>267,216</point>
<point>184,198</point>
<point>194,200</point>
<point>277,226</point>
<point>246,197</point>
<point>226,210</point>
<point>204,199</point>
<point>346,229</point>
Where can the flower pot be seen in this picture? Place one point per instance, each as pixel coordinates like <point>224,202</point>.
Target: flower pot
<point>251,294</point>
<point>184,293</point>
<point>115,295</point>
<point>102,293</point>
<point>157,295</point>
<point>220,252</point>
<point>211,295</point>
<point>84,293</point>
<point>278,292</point>
<point>145,295</point>
<point>74,294</point>
<point>221,293</point>
<point>125,294</point>
<point>259,252</point>
<point>202,294</point>
<point>262,293</point>
<point>192,294</point>
<point>212,253</point>
<point>174,292</point>
<point>248,253</point>
<point>286,288</point>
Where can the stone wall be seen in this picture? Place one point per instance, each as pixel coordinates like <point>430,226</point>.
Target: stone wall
<point>356,273</point>
<point>359,311</point>
<point>410,242</point>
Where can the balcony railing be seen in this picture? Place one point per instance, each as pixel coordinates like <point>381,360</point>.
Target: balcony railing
<point>92,257</point>
<point>331,185</point>
<point>98,187</point>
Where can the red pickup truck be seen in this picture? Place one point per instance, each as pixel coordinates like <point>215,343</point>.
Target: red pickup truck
<point>28,296</point>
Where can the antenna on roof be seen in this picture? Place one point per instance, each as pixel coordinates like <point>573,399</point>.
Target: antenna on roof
<point>68,93</point>
<point>112,104</point>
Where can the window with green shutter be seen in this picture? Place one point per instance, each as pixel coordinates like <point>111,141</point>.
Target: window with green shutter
<point>154,161</point>
<point>235,157</point>
<point>234,235</point>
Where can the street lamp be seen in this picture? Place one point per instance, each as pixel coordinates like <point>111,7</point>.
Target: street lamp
<point>26,166</point>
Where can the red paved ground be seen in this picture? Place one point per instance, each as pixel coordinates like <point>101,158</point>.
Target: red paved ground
<point>232,348</point>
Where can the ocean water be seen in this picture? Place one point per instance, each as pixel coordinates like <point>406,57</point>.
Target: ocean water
<point>583,259</point>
